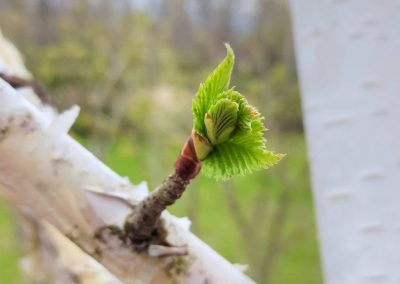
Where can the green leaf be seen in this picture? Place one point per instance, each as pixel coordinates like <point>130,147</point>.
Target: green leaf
<point>246,112</point>
<point>220,120</point>
<point>245,152</point>
<point>212,90</point>
<point>229,131</point>
<point>232,159</point>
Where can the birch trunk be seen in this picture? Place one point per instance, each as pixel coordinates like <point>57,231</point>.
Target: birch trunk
<point>49,176</point>
<point>348,55</point>
<point>49,257</point>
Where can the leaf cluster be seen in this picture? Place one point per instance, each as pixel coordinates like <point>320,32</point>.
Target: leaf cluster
<point>231,128</point>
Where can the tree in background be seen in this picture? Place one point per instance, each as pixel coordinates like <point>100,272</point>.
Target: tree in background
<point>349,61</point>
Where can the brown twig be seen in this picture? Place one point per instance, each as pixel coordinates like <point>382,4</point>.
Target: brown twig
<point>142,225</point>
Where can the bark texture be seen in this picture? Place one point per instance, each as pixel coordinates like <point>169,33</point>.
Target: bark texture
<point>44,170</point>
<point>348,55</point>
<point>18,82</point>
<point>142,225</point>
<point>49,257</point>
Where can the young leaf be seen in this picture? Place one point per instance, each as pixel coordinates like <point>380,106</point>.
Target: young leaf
<point>245,152</point>
<point>209,92</point>
<point>220,120</point>
<point>229,131</point>
<point>232,159</point>
<point>245,113</point>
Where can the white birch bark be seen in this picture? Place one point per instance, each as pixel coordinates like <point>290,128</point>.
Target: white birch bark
<point>49,257</point>
<point>48,175</point>
<point>348,55</point>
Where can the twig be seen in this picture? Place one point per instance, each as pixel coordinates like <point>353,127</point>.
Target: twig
<point>141,225</point>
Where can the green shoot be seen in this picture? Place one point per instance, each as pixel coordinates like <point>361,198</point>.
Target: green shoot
<point>228,132</point>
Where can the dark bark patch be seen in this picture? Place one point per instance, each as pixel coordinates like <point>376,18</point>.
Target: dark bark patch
<point>3,132</point>
<point>17,82</point>
<point>178,266</point>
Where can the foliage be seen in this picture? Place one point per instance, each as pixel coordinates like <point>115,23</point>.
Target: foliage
<point>230,126</point>
<point>8,247</point>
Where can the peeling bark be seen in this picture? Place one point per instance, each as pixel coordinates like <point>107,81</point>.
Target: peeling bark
<point>78,206</point>
<point>45,170</point>
<point>18,82</point>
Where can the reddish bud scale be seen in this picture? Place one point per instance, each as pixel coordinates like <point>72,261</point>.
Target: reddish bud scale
<point>188,166</point>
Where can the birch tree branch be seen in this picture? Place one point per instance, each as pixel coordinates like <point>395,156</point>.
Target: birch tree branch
<point>49,257</point>
<point>48,173</point>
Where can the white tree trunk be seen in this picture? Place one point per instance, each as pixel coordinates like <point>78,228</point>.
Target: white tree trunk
<point>348,55</point>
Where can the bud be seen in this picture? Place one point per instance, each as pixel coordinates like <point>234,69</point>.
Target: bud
<point>201,146</point>
<point>187,166</point>
<point>221,121</point>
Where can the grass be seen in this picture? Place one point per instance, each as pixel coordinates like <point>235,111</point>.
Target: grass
<point>206,203</point>
<point>9,256</point>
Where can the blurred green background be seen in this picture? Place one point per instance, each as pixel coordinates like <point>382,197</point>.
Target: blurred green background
<point>133,67</point>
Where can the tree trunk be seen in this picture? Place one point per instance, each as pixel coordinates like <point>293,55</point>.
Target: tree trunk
<point>348,55</point>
